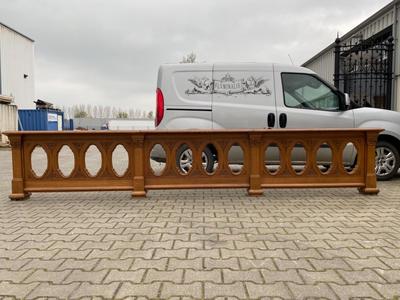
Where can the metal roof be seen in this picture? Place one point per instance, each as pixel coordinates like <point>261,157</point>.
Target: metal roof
<point>23,35</point>
<point>355,30</point>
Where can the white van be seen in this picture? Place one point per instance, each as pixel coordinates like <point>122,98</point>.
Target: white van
<point>265,95</point>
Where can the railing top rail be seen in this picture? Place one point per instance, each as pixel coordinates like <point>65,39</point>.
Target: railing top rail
<point>192,131</point>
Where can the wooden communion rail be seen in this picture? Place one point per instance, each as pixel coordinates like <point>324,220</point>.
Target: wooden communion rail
<point>140,176</point>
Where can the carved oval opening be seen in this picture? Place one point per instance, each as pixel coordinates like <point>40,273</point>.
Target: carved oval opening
<point>120,160</point>
<point>298,158</point>
<point>158,159</point>
<point>66,161</point>
<point>39,161</point>
<point>324,158</point>
<point>272,159</point>
<point>209,159</point>
<point>235,159</point>
<point>93,160</point>
<point>349,157</point>
<point>184,159</point>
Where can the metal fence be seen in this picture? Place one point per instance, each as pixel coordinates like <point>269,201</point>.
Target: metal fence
<point>364,70</point>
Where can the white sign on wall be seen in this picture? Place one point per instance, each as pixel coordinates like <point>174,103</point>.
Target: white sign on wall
<point>52,117</point>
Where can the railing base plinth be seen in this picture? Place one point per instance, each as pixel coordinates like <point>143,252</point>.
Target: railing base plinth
<point>139,194</point>
<point>368,191</point>
<point>19,197</point>
<point>255,193</point>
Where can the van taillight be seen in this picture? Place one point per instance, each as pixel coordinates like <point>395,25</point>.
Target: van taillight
<point>160,107</point>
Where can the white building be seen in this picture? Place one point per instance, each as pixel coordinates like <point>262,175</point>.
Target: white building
<point>16,76</point>
<point>368,69</point>
<point>16,65</point>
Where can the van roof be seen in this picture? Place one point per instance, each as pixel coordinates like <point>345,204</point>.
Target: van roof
<point>239,65</point>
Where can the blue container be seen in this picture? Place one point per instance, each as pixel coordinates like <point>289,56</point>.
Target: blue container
<point>40,119</point>
<point>68,124</point>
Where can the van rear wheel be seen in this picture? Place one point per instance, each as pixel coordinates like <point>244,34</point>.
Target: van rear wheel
<point>387,160</point>
<point>184,159</point>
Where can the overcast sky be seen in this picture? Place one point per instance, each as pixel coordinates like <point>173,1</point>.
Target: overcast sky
<point>108,52</point>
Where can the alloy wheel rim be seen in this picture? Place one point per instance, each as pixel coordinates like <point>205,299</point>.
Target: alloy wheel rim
<point>186,160</point>
<point>385,161</point>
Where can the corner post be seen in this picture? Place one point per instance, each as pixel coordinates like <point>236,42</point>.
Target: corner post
<point>255,177</point>
<point>17,183</point>
<point>336,76</point>
<point>138,166</point>
<point>389,74</point>
<point>370,139</point>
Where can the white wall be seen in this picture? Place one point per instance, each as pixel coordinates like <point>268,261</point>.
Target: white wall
<point>16,59</point>
<point>324,65</point>
<point>8,120</point>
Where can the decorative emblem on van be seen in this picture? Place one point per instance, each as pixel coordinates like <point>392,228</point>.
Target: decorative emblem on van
<point>228,86</point>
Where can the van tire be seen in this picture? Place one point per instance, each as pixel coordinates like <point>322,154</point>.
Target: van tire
<point>183,153</point>
<point>387,160</point>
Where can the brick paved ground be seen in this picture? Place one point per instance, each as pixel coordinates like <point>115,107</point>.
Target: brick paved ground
<point>210,244</point>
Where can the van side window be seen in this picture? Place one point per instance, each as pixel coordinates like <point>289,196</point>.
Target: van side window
<point>307,91</point>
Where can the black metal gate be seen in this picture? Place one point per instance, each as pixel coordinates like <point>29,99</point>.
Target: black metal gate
<point>364,71</point>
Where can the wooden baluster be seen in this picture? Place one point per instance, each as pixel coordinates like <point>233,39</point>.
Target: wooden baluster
<point>138,166</point>
<point>255,155</point>
<point>17,184</point>
<point>369,168</point>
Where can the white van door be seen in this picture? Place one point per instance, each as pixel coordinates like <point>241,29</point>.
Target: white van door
<point>243,96</point>
<point>305,101</point>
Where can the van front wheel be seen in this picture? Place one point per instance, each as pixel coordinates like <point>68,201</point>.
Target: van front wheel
<point>387,160</point>
<point>184,159</point>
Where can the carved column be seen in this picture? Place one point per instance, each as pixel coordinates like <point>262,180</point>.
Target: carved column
<point>255,154</point>
<point>138,166</point>
<point>17,183</point>
<point>370,176</point>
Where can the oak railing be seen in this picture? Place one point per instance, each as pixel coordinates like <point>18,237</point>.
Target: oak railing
<point>141,173</point>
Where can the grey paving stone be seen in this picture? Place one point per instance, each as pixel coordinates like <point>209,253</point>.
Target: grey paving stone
<point>321,277</point>
<point>247,276</point>
<point>19,291</point>
<point>268,290</point>
<point>53,277</point>
<point>131,276</point>
<point>388,290</point>
<point>175,276</point>
<point>352,291</point>
<point>192,290</point>
<point>315,291</point>
<point>158,264</point>
<point>291,243</point>
<point>236,289</point>
<point>48,290</point>
<point>176,263</point>
<point>86,276</point>
<point>87,289</point>
<point>214,276</point>
<point>119,264</point>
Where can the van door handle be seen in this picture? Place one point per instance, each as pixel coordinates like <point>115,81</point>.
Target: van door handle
<point>282,120</point>
<point>271,120</point>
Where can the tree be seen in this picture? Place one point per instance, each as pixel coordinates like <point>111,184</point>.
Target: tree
<point>80,114</point>
<point>189,59</point>
<point>122,115</point>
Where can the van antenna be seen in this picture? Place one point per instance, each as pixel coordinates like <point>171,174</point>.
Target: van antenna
<point>291,59</point>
